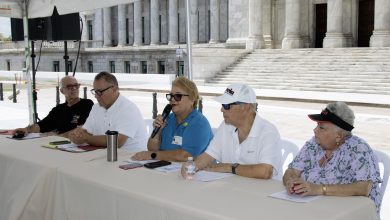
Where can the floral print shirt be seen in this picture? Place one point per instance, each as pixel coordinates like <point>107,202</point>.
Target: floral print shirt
<point>353,161</point>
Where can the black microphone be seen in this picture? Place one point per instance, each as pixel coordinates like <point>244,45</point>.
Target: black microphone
<point>165,114</point>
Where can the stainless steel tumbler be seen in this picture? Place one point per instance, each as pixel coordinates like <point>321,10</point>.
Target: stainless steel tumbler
<point>112,145</point>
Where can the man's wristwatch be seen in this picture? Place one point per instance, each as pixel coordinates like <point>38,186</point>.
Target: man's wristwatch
<point>153,155</point>
<point>234,166</point>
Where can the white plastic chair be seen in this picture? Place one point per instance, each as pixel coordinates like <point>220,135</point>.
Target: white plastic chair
<point>149,125</point>
<point>384,160</point>
<point>287,148</point>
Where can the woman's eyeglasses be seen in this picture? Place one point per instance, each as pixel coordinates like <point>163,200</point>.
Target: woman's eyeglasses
<point>177,96</point>
<point>99,92</point>
<point>228,106</point>
<point>72,86</point>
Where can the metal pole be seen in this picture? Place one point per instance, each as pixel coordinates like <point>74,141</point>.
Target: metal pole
<point>34,90</point>
<point>1,92</point>
<point>57,95</point>
<point>189,46</point>
<point>14,93</point>
<point>66,58</point>
<point>85,92</point>
<point>154,105</point>
<point>26,69</point>
<point>200,105</point>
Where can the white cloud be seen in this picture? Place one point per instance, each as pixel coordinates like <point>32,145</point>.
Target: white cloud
<point>5,26</point>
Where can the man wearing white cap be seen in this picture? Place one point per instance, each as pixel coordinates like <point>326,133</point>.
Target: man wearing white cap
<point>245,144</point>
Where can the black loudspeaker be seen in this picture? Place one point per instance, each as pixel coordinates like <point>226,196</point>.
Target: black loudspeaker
<point>54,28</point>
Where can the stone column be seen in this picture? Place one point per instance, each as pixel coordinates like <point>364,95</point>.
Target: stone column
<point>107,41</point>
<point>255,39</point>
<point>137,23</point>
<point>154,24</point>
<point>121,25</point>
<point>334,28</point>
<point>194,20</point>
<point>98,28</point>
<point>292,37</point>
<point>381,34</point>
<point>130,16</point>
<point>267,24</point>
<point>84,34</point>
<point>214,21</point>
<point>173,20</point>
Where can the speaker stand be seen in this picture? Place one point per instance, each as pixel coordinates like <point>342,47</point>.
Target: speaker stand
<point>34,90</point>
<point>66,58</point>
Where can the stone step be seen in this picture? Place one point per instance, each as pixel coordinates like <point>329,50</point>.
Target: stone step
<point>300,88</point>
<point>303,79</point>
<point>360,70</point>
<point>300,73</point>
<point>322,83</point>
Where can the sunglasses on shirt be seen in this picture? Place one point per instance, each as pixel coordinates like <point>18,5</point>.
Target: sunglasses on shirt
<point>177,96</point>
<point>228,106</point>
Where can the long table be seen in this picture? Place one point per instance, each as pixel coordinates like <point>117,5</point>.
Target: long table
<point>39,183</point>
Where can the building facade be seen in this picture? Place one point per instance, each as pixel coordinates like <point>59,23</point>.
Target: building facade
<point>142,37</point>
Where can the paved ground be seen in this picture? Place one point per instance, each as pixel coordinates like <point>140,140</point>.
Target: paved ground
<point>372,123</point>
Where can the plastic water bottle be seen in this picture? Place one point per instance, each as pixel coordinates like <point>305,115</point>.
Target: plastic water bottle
<point>190,168</point>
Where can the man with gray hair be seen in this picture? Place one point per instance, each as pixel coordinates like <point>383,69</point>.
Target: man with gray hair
<point>65,116</point>
<point>245,144</point>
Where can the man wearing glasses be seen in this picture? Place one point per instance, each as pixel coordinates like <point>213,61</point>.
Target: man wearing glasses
<point>245,144</point>
<point>112,112</point>
<point>66,116</point>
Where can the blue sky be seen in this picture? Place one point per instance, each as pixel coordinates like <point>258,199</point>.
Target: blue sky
<point>5,26</point>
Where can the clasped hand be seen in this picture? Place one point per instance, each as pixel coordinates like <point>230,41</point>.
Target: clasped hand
<point>79,135</point>
<point>300,187</point>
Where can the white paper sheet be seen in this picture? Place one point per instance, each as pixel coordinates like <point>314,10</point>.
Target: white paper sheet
<point>29,136</point>
<point>207,176</point>
<point>293,198</point>
<point>139,161</point>
<point>174,167</point>
<point>70,147</point>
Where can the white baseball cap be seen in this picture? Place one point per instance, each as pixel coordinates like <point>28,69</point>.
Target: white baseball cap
<point>237,93</point>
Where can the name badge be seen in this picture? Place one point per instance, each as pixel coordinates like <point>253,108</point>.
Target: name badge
<point>177,140</point>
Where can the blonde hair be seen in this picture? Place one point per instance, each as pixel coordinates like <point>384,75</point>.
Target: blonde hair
<point>189,87</point>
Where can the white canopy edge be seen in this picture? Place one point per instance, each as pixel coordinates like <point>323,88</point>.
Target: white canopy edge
<point>44,8</point>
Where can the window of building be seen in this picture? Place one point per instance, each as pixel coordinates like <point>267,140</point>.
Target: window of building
<point>143,30</point>
<point>90,66</point>
<point>70,66</point>
<point>209,25</point>
<point>8,63</point>
<point>161,67</point>
<point>180,68</point>
<point>127,67</point>
<point>159,28</point>
<point>178,27</point>
<point>90,30</point>
<point>144,66</point>
<point>56,66</point>
<point>127,31</point>
<point>112,66</point>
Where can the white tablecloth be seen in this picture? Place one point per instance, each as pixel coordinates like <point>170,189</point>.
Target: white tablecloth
<point>39,183</point>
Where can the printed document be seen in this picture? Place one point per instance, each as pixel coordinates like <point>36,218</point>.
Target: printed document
<point>207,176</point>
<point>293,198</point>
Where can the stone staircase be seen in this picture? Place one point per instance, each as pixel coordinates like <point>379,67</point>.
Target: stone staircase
<point>345,70</point>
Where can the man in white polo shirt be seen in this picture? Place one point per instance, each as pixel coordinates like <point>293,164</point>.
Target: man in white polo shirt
<point>112,112</point>
<point>244,144</point>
